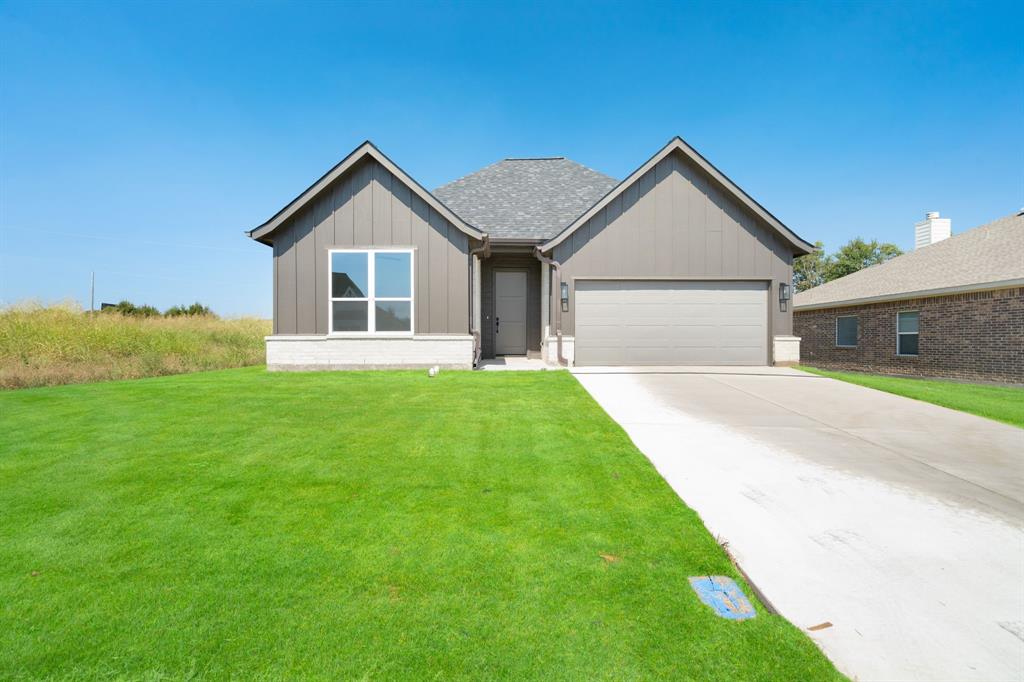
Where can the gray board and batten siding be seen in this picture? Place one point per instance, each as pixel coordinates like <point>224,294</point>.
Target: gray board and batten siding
<point>370,207</point>
<point>676,222</point>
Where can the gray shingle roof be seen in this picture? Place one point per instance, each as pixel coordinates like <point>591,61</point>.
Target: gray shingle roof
<point>983,256</point>
<point>525,198</point>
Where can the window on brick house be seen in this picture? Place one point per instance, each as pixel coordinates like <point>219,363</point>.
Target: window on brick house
<point>906,333</point>
<point>846,331</point>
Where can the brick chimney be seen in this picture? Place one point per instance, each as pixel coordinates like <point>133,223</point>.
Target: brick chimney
<point>932,229</point>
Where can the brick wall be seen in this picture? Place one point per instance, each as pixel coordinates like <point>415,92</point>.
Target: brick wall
<point>976,336</point>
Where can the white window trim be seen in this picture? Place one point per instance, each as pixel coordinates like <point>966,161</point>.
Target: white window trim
<point>899,334</point>
<point>371,298</point>
<point>840,317</point>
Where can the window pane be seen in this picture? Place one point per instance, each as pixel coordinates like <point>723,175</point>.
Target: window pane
<point>907,344</point>
<point>391,272</point>
<point>349,316</point>
<point>394,316</point>
<point>349,275</point>
<point>908,322</point>
<point>846,331</point>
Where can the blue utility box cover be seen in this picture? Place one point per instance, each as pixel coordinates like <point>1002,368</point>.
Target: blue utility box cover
<point>724,596</point>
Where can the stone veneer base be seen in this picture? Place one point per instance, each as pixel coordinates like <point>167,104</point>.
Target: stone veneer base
<point>307,353</point>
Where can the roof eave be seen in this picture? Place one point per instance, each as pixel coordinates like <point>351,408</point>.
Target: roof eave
<point>922,293</point>
<point>261,240</point>
<point>517,240</point>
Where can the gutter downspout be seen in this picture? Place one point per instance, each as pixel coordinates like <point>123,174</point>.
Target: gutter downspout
<point>558,309</point>
<point>484,251</point>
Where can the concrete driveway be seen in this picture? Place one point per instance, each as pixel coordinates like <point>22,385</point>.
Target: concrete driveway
<point>898,522</point>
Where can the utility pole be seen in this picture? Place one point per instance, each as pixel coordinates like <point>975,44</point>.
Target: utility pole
<point>92,294</point>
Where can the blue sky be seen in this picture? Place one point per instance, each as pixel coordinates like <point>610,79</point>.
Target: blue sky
<point>139,140</point>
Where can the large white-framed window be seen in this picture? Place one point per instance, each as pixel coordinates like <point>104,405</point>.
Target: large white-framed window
<point>846,331</point>
<point>371,291</point>
<point>907,326</point>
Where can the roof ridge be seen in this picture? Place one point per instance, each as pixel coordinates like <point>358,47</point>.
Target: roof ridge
<point>525,197</point>
<point>463,177</point>
<point>944,243</point>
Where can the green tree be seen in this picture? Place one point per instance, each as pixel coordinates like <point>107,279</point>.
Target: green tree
<point>817,267</point>
<point>810,270</point>
<point>859,254</point>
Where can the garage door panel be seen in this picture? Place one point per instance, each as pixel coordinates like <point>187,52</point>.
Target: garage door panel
<point>733,297</point>
<point>739,355</point>
<point>697,355</point>
<point>602,308</point>
<point>746,309</point>
<point>695,335</point>
<point>625,322</point>
<point>658,338</point>
<point>607,337</point>
<point>608,356</point>
<point>644,356</point>
<point>742,336</point>
<point>682,312</point>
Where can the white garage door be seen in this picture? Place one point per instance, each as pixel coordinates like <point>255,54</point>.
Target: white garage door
<point>622,322</point>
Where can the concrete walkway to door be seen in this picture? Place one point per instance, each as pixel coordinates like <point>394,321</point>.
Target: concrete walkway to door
<point>899,522</point>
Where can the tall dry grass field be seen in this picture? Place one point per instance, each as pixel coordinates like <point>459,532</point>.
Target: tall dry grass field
<point>45,346</point>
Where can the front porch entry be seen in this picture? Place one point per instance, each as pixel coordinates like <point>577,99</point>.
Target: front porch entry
<point>510,307</point>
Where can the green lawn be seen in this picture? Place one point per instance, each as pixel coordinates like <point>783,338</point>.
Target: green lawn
<point>261,525</point>
<point>995,402</point>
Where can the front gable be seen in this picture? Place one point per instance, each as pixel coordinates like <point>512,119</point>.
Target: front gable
<point>366,150</point>
<point>672,221</point>
<point>710,177</point>
<point>366,206</point>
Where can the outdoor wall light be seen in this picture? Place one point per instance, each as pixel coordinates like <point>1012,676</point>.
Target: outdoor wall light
<point>565,297</point>
<point>783,295</point>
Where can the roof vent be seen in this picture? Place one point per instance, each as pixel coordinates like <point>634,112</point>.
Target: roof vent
<point>932,229</point>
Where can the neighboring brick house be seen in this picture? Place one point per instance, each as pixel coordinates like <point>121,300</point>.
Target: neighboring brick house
<point>952,308</point>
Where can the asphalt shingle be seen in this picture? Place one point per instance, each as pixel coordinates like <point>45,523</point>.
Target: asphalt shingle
<point>525,198</point>
<point>991,253</point>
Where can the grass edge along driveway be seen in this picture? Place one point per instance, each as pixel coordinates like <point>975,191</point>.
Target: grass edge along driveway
<point>1001,403</point>
<point>241,523</point>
